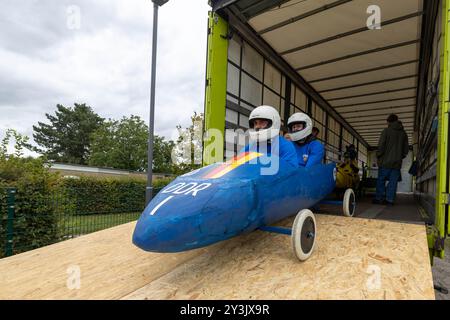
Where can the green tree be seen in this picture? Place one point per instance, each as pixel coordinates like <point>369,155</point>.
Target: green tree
<point>162,151</point>
<point>67,137</point>
<point>187,153</point>
<point>21,141</point>
<point>123,145</point>
<point>120,144</point>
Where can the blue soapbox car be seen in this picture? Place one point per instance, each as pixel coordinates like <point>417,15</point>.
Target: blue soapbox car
<point>223,200</point>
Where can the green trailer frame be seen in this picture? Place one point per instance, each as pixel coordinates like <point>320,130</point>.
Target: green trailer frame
<point>216,87</point>
<point>442,228</point>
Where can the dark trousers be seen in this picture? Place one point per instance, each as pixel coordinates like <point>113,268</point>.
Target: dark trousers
<point>393,176</point>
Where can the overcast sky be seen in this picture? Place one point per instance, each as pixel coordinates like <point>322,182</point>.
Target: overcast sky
<point>99,53</point>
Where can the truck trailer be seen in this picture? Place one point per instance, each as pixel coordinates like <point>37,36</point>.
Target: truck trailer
<point>348,64</point>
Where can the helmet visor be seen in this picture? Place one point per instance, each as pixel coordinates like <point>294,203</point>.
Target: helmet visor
<point>260,124</point>
<point>297,126</point>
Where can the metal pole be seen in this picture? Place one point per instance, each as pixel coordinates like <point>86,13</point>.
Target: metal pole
<point>149,189</point>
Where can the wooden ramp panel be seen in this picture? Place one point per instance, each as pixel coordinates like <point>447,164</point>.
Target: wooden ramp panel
<point>110,267</point>
<point>259,265</point>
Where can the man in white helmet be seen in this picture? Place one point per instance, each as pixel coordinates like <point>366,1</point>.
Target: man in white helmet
<point>309,150</point>
<point>264,123</point>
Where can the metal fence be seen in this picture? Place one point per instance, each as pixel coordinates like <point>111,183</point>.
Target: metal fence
<point>28,223</point>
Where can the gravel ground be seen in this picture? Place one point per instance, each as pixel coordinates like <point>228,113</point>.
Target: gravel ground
<point>441,273</point>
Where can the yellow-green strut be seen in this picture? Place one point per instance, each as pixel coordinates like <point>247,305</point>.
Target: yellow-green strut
<point>443,147</point>
<point>216,89</point>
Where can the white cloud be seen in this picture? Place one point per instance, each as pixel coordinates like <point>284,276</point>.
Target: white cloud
<point>105,63</point>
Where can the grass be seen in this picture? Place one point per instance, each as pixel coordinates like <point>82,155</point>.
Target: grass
<point>72,226</point>
<point>76,225</point>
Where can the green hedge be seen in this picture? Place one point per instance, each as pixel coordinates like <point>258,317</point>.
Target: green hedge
<point>3,220</point>
<point>35,217</point>
<point>100,196</point>
<point>95,196</point>
<point>161,183</point>
<point>44,198</point>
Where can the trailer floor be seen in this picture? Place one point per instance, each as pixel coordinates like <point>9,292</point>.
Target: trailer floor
<point>354,259</point>
<point>405,210</point>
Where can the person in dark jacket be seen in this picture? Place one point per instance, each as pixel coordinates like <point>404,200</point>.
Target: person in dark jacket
<point>392,149</point>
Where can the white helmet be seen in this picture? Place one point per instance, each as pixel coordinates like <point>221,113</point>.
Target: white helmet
<point>300,117</point>
<point>273,129</point>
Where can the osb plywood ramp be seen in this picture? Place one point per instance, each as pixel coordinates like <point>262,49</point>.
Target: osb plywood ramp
<point>108,264</point>
<point>354,259</point>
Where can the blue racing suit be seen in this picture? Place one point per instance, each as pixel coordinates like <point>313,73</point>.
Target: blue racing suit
<point>286,150</point>
<point>310,153</point>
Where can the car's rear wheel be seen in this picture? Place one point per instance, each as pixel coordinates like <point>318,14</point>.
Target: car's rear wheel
<point>349,203</point>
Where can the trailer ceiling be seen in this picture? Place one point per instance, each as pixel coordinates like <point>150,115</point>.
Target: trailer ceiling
<point>361,73</point>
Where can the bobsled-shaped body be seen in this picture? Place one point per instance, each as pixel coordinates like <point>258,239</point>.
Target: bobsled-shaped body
<point>223,200</point>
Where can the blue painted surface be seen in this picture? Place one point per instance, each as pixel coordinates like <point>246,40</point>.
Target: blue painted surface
<point>332,202</point>
<point>239,202</point>
<point>279,230</point>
